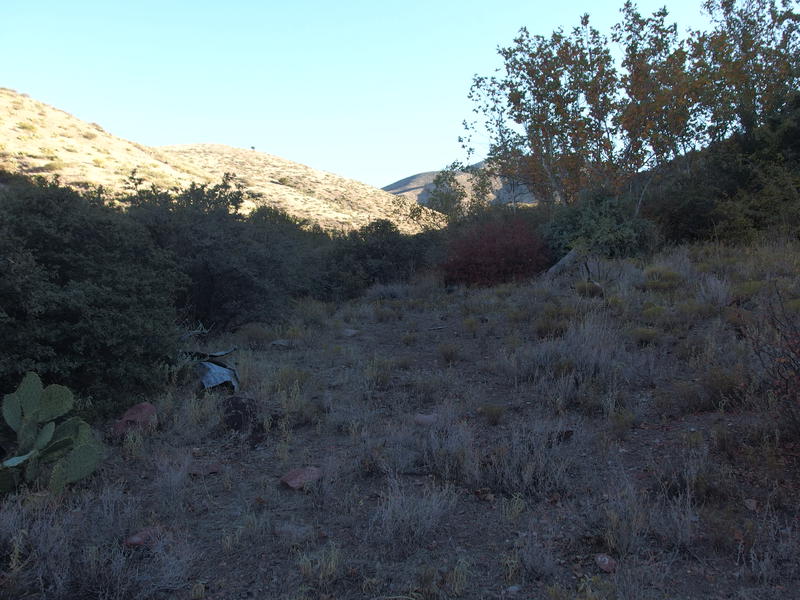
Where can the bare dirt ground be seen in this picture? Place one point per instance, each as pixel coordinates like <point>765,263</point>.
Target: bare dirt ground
<point>526,441</point>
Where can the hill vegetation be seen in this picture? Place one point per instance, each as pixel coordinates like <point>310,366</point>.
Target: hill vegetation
<point>591,398</point>
<point>37,139</point>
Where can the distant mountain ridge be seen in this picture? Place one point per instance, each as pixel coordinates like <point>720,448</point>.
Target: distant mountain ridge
<point>38,139</point>
<point>419,187</point>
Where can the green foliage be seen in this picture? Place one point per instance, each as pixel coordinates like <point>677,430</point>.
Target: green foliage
<point>734,188</point>
<point>376,253</point>
<point>238,268</point>
<point>599,225</point>
<point>85,296</point>
<point>564,115</point>
<point>80,462</point>
<point>448,195</point>
<point>455,200</point>
<point>659,279</point>
<point>644,335</point>
<point>91,295</point>
<point>69,447</point>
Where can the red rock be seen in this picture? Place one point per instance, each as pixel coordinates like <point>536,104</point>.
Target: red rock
<point>139,416</point>
<point>144,537</point>
<point>428,420</point>
<point>606,563</point>
<point>298,478</point>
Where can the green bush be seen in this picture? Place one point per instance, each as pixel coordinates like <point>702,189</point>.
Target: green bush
<point>735,188</point>
<point>601,225</point>
<point>85,296</point>
<point>376,253</point>
<point>239,269</point>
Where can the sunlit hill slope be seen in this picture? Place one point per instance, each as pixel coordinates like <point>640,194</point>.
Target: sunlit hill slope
<point>38,139</point>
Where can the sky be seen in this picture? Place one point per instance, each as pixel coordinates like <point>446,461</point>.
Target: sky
<point>371,90</point>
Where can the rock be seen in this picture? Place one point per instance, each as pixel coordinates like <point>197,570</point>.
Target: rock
<point>426,420</point>
<point>297,479</point>
<point>292,534</point>
<point>350,332</point>
<point>282,343</point>
<point>751,504</point>
<point>139,416</point>
<point>606,563</point>
<point>144,537</point>
<point>513,589</point>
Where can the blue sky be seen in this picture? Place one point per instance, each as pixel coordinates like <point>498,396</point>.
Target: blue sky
<point>375,91</point>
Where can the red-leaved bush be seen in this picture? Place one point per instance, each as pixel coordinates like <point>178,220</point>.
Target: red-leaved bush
<point>495,252</point>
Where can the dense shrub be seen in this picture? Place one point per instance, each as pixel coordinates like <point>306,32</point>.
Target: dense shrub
<point>495,251</point>
<point>735,188</point>
<point>86,298</point>
<point>599,224</point>
<point>239,268</point>
<point>376,253</point>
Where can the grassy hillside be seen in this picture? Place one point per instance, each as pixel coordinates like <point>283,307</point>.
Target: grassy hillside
<point>37,139</point>
<point>333,202</point>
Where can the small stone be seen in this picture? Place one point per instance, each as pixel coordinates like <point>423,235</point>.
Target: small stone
<point>139,416</point>
<point>606,563</point>
<point>751,504</point>
<point>281,343</point>
<point>297,479</point>
<point>144,537</point>
<point>514,589</point>
<point>426,420</point>
<point>350,332</point>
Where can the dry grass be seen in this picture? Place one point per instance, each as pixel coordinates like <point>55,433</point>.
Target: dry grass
<point>83,154</point>
<point>74,548</point>
<point>406,517</point>
<point>530,454</point>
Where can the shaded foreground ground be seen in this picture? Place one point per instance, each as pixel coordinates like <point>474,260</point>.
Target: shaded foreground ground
<point>473,444</point>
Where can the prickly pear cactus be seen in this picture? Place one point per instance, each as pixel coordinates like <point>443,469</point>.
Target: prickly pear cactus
<point>80,462</point>
<point>69,447</point>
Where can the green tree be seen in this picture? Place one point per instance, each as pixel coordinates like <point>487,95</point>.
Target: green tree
<point>748,64</point>
<point>659,91</point>
<point>564,117</point>
<point>448,196</point>
<point>550,118</point>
